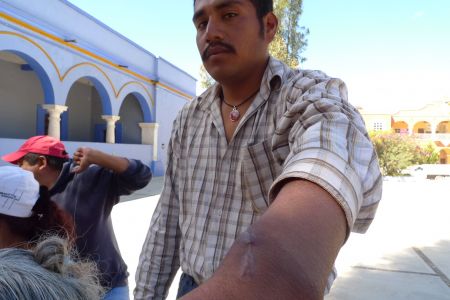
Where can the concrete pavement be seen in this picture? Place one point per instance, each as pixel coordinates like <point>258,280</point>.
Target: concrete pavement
<point>404,255</point>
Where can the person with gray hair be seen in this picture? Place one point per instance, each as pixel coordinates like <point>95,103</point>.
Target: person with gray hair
<point>47,272</point>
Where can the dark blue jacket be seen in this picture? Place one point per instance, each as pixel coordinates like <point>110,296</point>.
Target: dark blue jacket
<point>89,197</point>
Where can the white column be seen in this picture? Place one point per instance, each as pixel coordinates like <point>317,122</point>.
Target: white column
<point>149,134</point>
<point>434,127</point>
<point>410,124</point>
<point>54,119</point>
<point>110,128</point>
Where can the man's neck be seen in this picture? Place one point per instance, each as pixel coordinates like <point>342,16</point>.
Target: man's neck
<point>235,91</point>
<point>50,178</point>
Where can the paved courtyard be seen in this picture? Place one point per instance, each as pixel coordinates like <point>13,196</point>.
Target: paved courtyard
<point>404,255</point>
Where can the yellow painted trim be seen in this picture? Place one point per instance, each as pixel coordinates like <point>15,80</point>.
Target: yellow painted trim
<point>88,53</point>
<point>62,77</point>
<point>138,83</point>
<point>94,66</point>
<point>35,44</point>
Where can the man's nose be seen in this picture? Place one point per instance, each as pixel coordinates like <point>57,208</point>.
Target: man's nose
<point>214,30</point>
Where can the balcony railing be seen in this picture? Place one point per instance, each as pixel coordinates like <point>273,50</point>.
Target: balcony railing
<point>444,138</point>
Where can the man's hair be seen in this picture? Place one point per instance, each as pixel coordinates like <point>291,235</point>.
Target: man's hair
<point>48,272</point>
<point>56,163</point>
<point>263,7</point>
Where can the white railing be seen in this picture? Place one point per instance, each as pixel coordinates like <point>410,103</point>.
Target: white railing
<point>444,138</point>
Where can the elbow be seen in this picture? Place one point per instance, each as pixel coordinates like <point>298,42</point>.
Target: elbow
<point>278,273</point>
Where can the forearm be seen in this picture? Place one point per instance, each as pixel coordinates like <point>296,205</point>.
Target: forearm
<point>115,163</point>
<point>287,254</point>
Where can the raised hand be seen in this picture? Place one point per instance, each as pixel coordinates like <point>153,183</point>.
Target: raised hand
<point>82,158</point>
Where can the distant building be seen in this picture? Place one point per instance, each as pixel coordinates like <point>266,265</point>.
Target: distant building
<point>430,123</point>
<point>66,74</point>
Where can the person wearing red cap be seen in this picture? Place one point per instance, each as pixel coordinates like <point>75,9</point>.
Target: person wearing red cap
<point>87,186</point>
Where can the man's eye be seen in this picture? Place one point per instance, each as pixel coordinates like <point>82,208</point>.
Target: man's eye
<point>201,25</point>
<point>230,15</point>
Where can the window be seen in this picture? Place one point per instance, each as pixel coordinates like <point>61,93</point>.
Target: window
<point>377,126</point>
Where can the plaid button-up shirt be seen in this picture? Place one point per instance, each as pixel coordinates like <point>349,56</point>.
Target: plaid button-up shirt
<point>300,125</point>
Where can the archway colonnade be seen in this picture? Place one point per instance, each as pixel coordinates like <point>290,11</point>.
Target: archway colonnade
<point>58,72</point>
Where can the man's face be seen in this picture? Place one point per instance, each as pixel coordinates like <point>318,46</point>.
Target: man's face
<point>32,168</point>
<point>229,38</point>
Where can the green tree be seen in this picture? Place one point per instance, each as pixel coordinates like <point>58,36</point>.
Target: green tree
<point>291,38</point>
<point>426,154</point>
<point>397,152</point>
<point>205,79</point>
<point>289,42</point>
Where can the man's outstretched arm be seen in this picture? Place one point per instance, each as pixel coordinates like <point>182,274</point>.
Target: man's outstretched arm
<point>287,254</point>
<point>85,156</point>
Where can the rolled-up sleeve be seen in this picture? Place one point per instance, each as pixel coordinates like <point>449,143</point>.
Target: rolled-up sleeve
<point>329,145</point>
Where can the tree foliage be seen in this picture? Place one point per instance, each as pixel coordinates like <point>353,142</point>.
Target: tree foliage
<point>205,79</point>
<point>289,42</point>
<point>396,152</point>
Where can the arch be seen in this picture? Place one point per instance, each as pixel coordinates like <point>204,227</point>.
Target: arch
<point>22,96</point>
<point>422,127</point>
<point>443,127</point>
<point>98,78</point>
<point>142,95</point>
<point>36,57</point>
<point>131,115</point>
<point>444,156</point>
<point>86,105</point>
<point>400,127</point>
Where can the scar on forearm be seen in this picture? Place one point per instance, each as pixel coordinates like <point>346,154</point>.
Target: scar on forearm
<point>248,259</point>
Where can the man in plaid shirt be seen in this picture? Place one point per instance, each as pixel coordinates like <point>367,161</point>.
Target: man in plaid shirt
<point>269,171</point>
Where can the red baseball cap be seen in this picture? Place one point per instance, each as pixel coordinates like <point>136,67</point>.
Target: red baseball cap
<point>41,144</point>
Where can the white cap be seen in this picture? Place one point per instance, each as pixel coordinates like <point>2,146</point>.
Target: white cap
<point>19,192</point>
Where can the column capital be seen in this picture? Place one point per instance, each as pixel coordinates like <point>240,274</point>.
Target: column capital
<point>149,125</point>
<point>54,118</point>
<point>111,118</point>
<point>54,108</point>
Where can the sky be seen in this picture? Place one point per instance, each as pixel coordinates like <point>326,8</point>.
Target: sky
<point>392,54</point>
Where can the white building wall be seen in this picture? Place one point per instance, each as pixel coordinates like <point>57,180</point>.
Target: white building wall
<point>170,74</point>
<point>167,109</point>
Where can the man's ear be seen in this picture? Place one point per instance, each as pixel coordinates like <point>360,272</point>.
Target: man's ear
<point>270,26</point>
<point>42,163</point>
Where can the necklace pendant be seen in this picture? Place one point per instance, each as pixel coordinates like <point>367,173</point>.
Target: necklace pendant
<point>234,114</point>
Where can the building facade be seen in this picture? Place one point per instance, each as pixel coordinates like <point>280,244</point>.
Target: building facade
<point>430,123</point>
<point>66,74</point>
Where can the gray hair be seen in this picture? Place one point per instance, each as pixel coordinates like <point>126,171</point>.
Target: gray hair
<point>47,273</point>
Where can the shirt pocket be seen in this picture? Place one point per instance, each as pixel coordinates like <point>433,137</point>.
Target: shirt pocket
<point>259,170</point>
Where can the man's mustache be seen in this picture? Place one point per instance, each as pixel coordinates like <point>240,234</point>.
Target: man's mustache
<point>206,53</point>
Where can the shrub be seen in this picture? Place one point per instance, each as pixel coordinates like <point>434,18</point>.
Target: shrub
<point>397,152</point>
